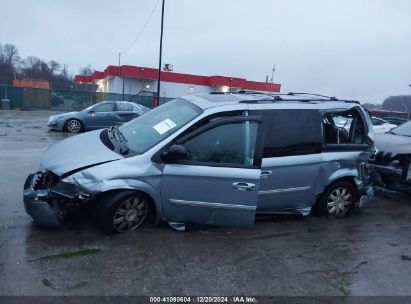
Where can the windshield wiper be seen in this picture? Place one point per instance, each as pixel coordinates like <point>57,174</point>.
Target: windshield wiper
<point>118,139</point>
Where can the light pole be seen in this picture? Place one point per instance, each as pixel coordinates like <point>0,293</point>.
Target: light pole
<point>121,75</point>
<point>157,102</point>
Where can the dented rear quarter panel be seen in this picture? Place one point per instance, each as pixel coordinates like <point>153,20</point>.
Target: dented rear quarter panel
<point>336,166</point>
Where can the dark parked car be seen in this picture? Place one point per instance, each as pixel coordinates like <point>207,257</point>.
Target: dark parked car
<point>392,162</point>
<point>101,115</point>
<point>395,120</point>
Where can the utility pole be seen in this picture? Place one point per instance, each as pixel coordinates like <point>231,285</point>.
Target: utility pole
<point>119,70</point>
<point>157,102</point>
<point>121,75</point>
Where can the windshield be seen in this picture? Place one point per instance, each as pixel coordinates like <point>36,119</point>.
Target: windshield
<point>404,129</point>
<point>151,128</point>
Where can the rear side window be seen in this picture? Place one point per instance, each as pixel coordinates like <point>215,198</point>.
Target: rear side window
<point>344,128</point>
<point>292,132</point>
<point>104,107</point>
<point>124,107</point>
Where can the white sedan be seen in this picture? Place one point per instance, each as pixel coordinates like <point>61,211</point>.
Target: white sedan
<point>381,126</point>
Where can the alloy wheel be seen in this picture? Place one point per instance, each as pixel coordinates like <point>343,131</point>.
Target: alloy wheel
<point>73,126</point>
<point>130,214</point>
<point>339,201</point>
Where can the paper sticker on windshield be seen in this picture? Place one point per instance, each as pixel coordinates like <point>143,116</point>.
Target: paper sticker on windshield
<point>164,126</point>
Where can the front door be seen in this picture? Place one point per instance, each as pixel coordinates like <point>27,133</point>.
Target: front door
<point>101,116</point>
<point>218,183</point>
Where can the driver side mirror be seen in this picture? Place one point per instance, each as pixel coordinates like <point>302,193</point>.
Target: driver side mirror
<point>92,113</point>
<point>175,153</point>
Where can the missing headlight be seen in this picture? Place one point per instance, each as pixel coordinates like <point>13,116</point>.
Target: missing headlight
<point>44,180</point>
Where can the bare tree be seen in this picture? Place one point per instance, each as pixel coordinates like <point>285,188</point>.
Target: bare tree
<point>11,66</point>
<point>9,63</point>
<point>11,54</point>
<point>55,67</point>
<point>86,70</point>
<point>400,103</point>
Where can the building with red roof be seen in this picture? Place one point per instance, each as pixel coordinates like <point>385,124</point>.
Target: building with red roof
<point>132,80</point>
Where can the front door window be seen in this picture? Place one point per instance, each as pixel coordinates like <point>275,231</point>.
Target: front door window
<point>231,144</point>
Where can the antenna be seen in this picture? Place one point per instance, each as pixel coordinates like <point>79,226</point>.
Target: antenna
<point>272,74</point>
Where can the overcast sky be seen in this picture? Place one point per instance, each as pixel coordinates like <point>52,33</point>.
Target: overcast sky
<point>358,49</point>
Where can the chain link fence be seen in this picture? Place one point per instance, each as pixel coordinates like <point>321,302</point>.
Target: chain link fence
<point>66,100</point>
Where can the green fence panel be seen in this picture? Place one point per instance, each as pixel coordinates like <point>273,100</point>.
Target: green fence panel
<point>36,99</point>
<point>14,94</point>
<point>67,100</point>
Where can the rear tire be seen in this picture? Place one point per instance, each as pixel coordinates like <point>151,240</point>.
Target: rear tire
<point>336,201</point>
<point>124,211</point>
<point>73,126</point>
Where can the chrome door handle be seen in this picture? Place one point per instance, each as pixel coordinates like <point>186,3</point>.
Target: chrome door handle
<point>266,174</point>
<point>244,186</point>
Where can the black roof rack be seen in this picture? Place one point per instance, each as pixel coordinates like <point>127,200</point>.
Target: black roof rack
<point>220,93</point>
<point>280,97</point>
<point>332,98</point>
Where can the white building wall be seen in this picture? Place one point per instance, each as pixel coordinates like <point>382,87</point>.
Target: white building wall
<point>173,90</point>
<point>168,89</point>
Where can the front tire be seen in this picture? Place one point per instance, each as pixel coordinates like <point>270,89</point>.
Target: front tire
<point>73,126</point>
<point>336,201</point>
<point>122,212</point>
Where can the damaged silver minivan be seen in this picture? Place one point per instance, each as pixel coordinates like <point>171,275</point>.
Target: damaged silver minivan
<point>214,159</point>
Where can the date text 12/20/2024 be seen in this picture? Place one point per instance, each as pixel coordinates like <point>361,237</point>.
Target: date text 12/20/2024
<point>204,299</point>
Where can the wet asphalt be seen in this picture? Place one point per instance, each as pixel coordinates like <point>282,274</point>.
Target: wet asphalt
<point>368,253</point>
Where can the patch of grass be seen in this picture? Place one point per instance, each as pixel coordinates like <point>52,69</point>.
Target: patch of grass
<point>69,254</point>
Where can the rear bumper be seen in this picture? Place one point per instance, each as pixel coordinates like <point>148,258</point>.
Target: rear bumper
<point>367,195</point>
<point>37,207</point>
<point>365,190</point>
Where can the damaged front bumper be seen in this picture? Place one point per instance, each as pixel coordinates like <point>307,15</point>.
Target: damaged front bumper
<point>49,206</point>
<point>37,206</point>
<point>56,124</point>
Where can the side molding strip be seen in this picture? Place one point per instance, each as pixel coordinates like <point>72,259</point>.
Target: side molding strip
<point>212,205</point>
<point>287,190</point>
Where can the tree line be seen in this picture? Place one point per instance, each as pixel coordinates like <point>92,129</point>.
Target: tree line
<point>400,103</point>
<point>12,66</point>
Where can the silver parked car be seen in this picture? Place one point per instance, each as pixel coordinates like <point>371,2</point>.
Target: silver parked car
<point>210,159</point>
<point>98,116</point>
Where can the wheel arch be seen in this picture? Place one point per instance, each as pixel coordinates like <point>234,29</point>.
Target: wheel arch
<point>142,188</point>
<point>338,178</point>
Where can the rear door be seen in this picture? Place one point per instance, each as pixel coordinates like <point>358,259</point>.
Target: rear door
<point>291,160</point>
<point>125,112</point>
<point>218,183</point>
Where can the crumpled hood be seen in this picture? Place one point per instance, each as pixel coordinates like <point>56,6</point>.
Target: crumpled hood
<point>394,144</point>
<point>76,152</point>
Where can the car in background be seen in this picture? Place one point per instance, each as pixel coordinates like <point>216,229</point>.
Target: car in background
<point>381,125</point>
<point>98,116</point>
<point>392,162</point>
